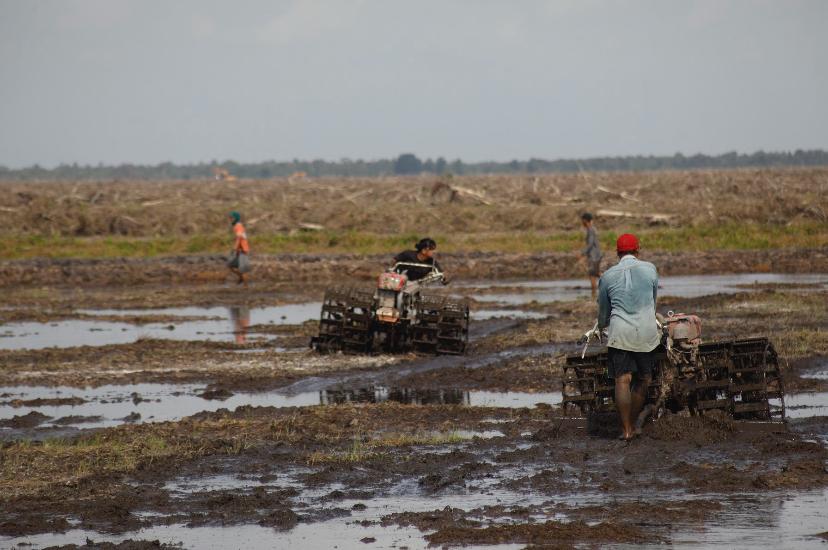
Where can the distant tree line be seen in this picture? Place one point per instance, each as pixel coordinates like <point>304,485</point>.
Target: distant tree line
<point>410,164</point>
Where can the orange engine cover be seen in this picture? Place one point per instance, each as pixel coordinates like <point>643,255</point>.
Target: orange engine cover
<point>392,281</point>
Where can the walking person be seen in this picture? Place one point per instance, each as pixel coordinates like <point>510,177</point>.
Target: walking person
<point>627,295</point>
<point>239,263</point>
<point>591,255</point>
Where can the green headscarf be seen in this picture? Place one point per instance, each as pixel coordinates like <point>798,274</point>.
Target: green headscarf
<point>236,217</point>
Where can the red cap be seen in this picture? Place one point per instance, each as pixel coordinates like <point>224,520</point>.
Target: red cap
<point>627,243</point>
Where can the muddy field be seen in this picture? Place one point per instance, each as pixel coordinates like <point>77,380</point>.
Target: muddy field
<point>217,427</point>
<point>149,402</point>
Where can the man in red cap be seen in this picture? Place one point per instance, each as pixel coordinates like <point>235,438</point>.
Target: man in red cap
<point>626,306</point>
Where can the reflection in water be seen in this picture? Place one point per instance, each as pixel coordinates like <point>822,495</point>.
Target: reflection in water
<point>110,405</point>
<point>240,316</point>
<point>399,395</point>
<point>83,332</point>
<point>444,396</point>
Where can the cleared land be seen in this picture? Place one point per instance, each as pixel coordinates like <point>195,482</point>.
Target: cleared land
<point>445,473</point>
<point>673,211</point>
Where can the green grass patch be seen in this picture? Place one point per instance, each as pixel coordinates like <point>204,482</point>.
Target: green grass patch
<point>730,236</point>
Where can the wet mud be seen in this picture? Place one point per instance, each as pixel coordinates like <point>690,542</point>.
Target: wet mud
<point>29,420</point>
<point>384,444</point>
<point>543,476</point>
<point>276,272</point>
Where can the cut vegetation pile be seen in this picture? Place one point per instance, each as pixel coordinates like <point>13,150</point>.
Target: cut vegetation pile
<point>729,209</point>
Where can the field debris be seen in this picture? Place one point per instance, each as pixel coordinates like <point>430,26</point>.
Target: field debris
<point>261,437</point>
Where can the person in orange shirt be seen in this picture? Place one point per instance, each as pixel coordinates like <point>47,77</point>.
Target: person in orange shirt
<point>239,263</point>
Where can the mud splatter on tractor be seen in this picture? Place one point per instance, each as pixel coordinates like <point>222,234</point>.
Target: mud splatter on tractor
<point>738,377</point>
<point>396,316</point>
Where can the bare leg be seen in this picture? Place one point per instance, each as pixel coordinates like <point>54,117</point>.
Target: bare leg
<point>638,395</point>
<point>240,277</point>
<point>594,282</point>
<point>623,402</point>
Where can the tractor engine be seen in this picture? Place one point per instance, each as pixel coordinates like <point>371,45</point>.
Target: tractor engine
<point>681,338</point>
<point>389,297</point>
<point>738,377</point>
<point>397,315</point>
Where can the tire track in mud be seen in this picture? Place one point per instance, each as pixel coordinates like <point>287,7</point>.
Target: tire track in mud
<point>389,375</point>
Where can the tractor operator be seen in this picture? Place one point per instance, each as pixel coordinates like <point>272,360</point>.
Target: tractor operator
<point>626,304</point>
<point>423,254</point>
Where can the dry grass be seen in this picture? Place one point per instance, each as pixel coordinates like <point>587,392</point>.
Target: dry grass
<point>773,207</point>
<point>32,468</point>
<point>27,468</point>
<point>795,322</point>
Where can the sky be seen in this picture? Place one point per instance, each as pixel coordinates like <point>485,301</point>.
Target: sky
<point>148,81</point>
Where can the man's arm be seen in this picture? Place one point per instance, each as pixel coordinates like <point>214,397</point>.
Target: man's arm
<point>603,304</point>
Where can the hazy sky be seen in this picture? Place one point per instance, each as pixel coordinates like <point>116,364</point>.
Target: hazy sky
<point>154,80</point>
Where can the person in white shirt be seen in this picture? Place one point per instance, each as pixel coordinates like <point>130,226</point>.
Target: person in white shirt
<point>627,295</point>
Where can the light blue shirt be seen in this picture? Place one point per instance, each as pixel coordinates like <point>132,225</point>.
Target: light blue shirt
<point>626,304</point>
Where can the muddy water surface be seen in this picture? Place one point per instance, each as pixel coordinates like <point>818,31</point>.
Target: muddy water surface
<point>341,534</point>
<point>220,324</point>
<point>114,405</point>
<point>232,323</point>
<point>767,521</point>
<point>689,286</point>
<point>777,520</point>
<point>804,405</point>
<point>533,471</point>
<point>215,324</point>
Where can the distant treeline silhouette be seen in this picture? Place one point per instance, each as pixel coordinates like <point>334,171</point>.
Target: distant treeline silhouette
<point>409,164</point>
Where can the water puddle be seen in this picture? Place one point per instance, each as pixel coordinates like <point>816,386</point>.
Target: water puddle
<point>221,482</point>
<point>107,406</point>
<point>284,314</point>
<point>233,323</point>
<point>223,324</point>
<point>770,521</point>
<point>220,324</point>
<point>784,520</point>
<point>483,314</point>
<point>687,286</point>
<point>806,405</point>
<point>26,407</point>
<point>115,405</point>
<point>818,371</point>
<point>339,534</point>
<point>445,396</point>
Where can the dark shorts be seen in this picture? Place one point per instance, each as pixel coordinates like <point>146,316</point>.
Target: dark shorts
<point>639,363</point>
<point>594,268</point>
